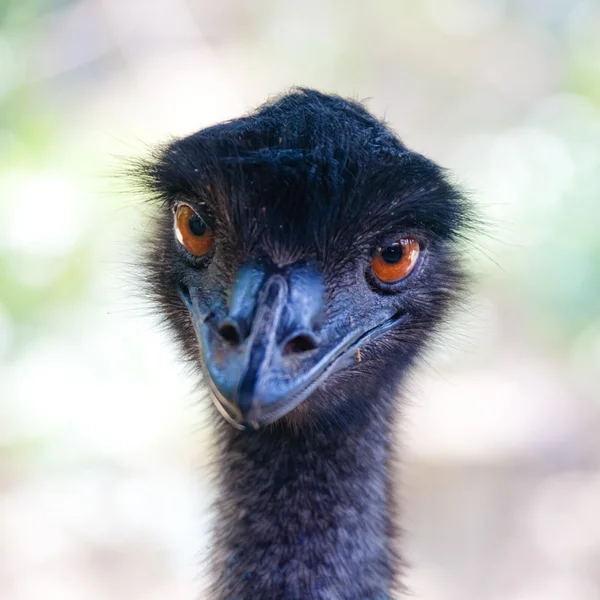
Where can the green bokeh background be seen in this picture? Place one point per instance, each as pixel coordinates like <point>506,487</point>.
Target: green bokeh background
<point>101,441</point>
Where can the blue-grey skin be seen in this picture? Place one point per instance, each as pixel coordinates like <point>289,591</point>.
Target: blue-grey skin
<point>303,348</point>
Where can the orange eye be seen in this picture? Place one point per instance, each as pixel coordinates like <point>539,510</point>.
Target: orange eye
<point>396,261</point>
<point>192,232</point>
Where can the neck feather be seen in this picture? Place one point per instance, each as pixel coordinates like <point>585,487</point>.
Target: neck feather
<point>307,514</point>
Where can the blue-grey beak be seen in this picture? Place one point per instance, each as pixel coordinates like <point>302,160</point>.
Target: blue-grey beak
<point>269,352</point>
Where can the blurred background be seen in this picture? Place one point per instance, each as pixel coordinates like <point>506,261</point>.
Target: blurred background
<point>103,480</point>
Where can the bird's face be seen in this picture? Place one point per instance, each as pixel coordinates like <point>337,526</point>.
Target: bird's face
<point>283,279</point>
<point>272,324</point>
<point>276,331</point>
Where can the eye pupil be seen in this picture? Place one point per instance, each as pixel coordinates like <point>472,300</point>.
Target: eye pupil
<point>192,232</point>
<point>197,225</point>
<point>392,254</point>
<point>394,263</point>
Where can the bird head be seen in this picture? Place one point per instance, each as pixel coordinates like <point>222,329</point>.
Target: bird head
<point>299,249</point>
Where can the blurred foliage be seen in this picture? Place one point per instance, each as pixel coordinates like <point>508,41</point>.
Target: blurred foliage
<point>32,285</point>
<point>506,93</point>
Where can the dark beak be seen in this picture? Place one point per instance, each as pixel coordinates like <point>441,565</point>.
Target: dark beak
<point>270,352</point>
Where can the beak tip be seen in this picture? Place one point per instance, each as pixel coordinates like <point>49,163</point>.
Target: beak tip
<point>244,416</point>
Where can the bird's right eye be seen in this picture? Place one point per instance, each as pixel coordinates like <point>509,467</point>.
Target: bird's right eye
<point>192,232</point>
<point>394,263</point>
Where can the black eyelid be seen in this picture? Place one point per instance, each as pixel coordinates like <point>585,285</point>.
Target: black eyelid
<point>200,209</point>
<point>422,238</point>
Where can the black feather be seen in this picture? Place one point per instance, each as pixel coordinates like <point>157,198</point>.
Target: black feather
<point>307,506</point>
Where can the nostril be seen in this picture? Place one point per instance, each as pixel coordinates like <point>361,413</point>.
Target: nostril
<point>302,342</point>
<point>230,332</point>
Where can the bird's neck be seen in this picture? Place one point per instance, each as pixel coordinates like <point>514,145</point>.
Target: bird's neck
<point>306,515</point>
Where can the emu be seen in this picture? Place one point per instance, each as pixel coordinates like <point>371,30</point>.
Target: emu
<point>303,257</point>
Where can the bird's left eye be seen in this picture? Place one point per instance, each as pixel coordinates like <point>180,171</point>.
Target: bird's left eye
<point>395,262</point>
<point>192,232</point>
